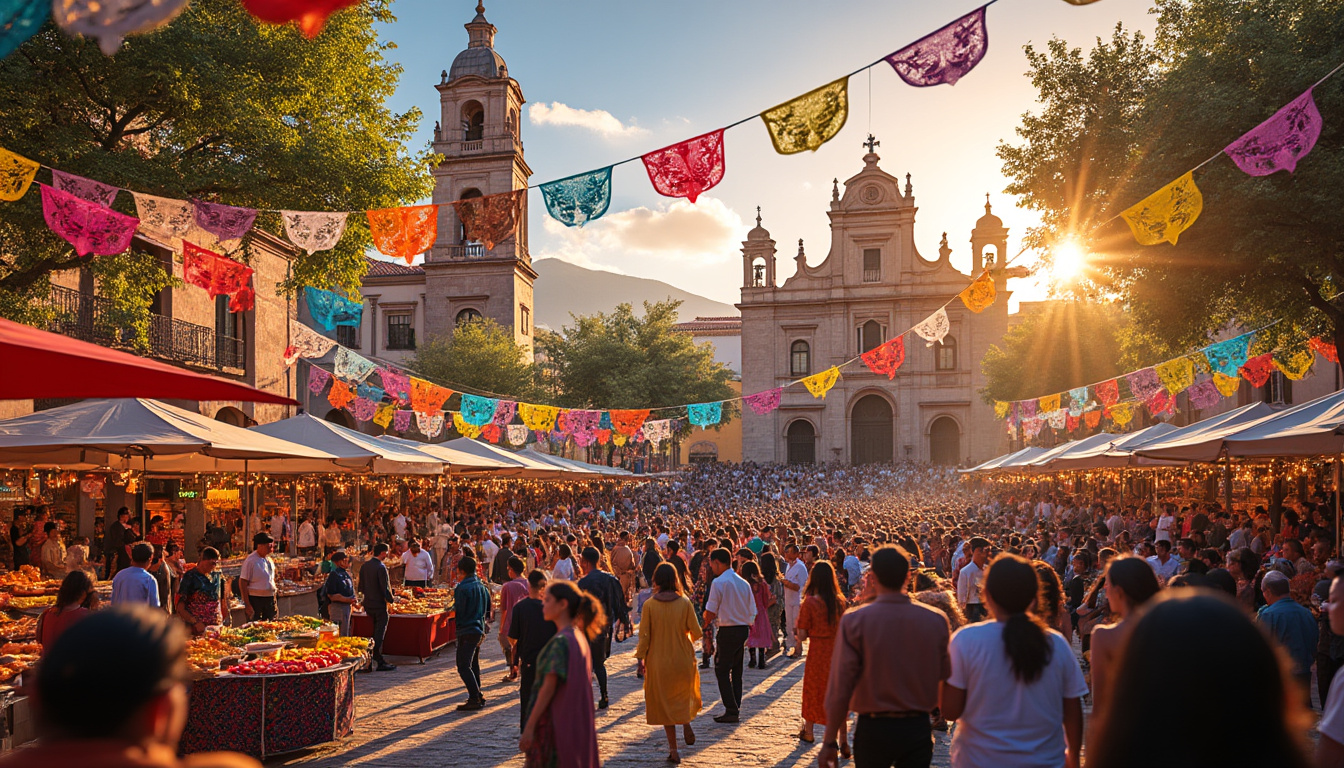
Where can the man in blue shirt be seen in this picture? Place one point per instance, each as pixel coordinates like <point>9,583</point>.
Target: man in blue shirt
<point>340,592</point>
<point>470,602</point>
<point>134,584</point>
<point>1291,624</point>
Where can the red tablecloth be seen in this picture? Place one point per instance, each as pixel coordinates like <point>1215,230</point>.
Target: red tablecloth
<point>268,715</point>
<point>416,635</point>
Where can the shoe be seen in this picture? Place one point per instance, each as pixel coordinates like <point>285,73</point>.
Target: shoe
<point>673,757</point>
<point>803,736</point>
<point>940,725</point>
<point>763,665</point>
<point>727,717</point>
<point>603,703</point>
<point>687,734</point>
<point>798,655</point>
<point>471,706</point>
<point>704,664</point>
<point>844,749</point>
<point>385,667</point>
<point>752,665</point>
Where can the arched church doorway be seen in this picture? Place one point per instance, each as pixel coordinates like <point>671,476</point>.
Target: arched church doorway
<point>802,442</point>
<point>338,416</point>
<point>945,442</point>
<point>870,431</point>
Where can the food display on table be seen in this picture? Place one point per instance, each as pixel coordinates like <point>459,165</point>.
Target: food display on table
<point>28,581</point>
<point>30,603</point>
<point>205,653</point>
<point>311,661</point>
<point>17,658</point>
<point>414,606</point>
<point>18,629</point>
<point>347,647</point>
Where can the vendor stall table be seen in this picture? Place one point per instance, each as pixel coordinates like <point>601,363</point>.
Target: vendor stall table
<point>418,635</point>
<point>268,715</point>
<point>297,604</point>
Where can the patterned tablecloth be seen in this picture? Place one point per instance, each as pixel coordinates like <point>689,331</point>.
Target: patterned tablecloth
<point>418,635</point>
<point>269,715</point>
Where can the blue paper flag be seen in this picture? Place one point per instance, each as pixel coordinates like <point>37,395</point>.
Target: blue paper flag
<point>576,200</point>
<point>705,414</point>
<point>20,20</point>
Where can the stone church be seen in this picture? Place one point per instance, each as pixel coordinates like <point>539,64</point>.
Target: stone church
<point>872,284</point>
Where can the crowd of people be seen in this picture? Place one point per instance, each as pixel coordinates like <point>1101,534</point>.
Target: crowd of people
<point>913,600</point>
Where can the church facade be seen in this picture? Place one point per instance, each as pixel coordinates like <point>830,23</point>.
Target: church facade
<point>872,284</point>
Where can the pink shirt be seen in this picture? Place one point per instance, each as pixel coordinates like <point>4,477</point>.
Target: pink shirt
<point>509,595</point>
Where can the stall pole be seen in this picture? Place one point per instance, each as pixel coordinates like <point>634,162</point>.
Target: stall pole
<point>1227,482</point>
<point>359,528</point>
<point>1337,502</point>
<point>294,514</point>
<point>246,499</point>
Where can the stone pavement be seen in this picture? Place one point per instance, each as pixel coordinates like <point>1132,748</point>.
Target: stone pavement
<point>406,719</point>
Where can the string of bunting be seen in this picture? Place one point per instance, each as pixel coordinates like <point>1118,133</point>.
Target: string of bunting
<point>493,417</point>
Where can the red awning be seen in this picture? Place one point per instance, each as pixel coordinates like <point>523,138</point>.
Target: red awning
<point>42,364</point>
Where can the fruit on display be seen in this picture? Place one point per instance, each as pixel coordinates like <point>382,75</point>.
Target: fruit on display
<point>403,607</point>
<point>26,603</point>
<point>310,661</point>
<point>347,647</point>
<point>204,653</point>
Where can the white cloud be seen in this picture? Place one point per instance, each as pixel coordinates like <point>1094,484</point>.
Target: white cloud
<point>598,120</point>
<point>706,232</point>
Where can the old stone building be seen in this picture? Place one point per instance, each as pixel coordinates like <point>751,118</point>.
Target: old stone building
<point>871,285</point>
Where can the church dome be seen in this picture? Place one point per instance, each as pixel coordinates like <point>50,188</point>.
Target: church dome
<point>989,220</point>
<point>758,232</point>
<point>482,62</point>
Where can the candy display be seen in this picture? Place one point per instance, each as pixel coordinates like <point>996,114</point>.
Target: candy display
<point>18,629</point>
<point>28,603</point>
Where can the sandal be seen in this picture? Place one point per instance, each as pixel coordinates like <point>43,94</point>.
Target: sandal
<point>673,757</point>
<point>687,734</point>
<point>804,737</point>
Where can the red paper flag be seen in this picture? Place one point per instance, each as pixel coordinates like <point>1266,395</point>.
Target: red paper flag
<point>886,358</point>
<point>689,168</point>
<point>310,15</point>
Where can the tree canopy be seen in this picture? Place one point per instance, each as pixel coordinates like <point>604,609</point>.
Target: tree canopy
<point>1068,344</point>
<point>217,107</point>
<point>1133,114</point>
<point>481,356</point>
<point>621,360</point>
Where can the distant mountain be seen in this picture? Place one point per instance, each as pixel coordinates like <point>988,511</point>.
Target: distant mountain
<point>563,288</point>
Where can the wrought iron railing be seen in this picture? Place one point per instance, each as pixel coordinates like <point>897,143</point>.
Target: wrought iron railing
<point>872,275</point>
<point>465,251</point>
<point>96,319</point>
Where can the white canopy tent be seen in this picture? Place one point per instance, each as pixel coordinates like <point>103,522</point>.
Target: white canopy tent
<point>1314,428</point>
<point>1203,444</point>
<point>1114,455</point>
<point>574,465</point>
<point>459,462</point>
<point>998,460</point>
<point>525,467</point>
<point>1021,458</point>
<point>1046,461</point>
<point>380,458</point>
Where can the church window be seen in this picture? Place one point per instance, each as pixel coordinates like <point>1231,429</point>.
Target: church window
<point>870,336</point>
<point>525,319</point>
<point>800,359</point>
<point>467,315</point>
<point>473,121</point>
<point>946,355</point>
<point>872,265</point>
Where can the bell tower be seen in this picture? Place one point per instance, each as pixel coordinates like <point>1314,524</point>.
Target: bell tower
<point>989,231</point>
<point>479,137</point>
<point>758,257</point>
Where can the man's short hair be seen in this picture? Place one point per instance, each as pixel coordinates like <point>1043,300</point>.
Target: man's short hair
<point>262,537</point>
<point>515,564</point>
<point>142,553</point>
<point>721,555</point>
<point>536,578</point>
<point>1163,544</point>
<point>209,553</point>
<point>979,542</point>
<point>339,556</point>
<point>590,554</point>
<point>890,565</point>
<point>380,548</point>
<point>467,565</point>
<point>1275,583</point>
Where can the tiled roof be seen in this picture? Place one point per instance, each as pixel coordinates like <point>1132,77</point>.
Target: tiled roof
<point>380,268</point>
<point>720,325</point>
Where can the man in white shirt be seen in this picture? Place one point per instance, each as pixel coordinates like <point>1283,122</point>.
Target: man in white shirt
<point>732,606</point>
<point>1164,565</point>
<point>488,550</point>
<point>419,566</point>
<point>795,578</point>
<point>1163,526</point>
<point>256,583</point>
<point>968,581</point>
<point>307,537</point>
<point>399,525</point>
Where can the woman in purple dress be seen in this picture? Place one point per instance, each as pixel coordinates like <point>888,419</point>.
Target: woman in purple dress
<point>561,731</point>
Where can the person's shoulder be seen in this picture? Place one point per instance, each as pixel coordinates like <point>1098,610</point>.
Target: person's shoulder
<point>978,632</point>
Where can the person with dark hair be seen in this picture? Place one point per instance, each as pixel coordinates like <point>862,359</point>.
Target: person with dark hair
<point>607,589</point>
<point>795,577</point>
<point>889,657</point>
<point>135,657</point>
<point>134,584</point>
<point>1050,604</point>
<point>1042,680</point>
<point>256,582</point>
<point>775,605</point>
<point>513,590</point>
<point>1164,565</point>
<point>73,602</point>
<point>471,601</point>
<point>818,621</point>
<point>419,566</point>
<point>1330,748</point>
<point>1130,582</point>
<point>340,592</point>
<point>1242,563</point>
<point>528,632</point>
<point>52,553</point>
<point>758,636</point>
<point>561,722</point>
<point>376,586</point>
<point>1196,637</point>
<point>19,536</point>
<point>666,656</point>
<point>732,606</point>
<point>969,578</point>
<point>200,595</point>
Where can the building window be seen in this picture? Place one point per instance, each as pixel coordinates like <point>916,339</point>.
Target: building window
<point>400,332</point>
<point>1280,389</point>
<point>229,333</point>
<point>869,336</point>
<point>347,336</point>
<point>524,319</point>
<point>473,121</point>
<point>946,355</point>
<point>800,359</point>
<point>872,265</point>
<point>468,315</point>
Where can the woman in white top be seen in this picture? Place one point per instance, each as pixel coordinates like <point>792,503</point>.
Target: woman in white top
<point>1016,688</point>
<point>564,566</point>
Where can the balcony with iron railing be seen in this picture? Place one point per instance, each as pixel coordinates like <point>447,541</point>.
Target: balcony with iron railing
<point>96,319</point>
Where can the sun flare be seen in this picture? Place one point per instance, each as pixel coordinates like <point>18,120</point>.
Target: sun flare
<point>1068,262</point>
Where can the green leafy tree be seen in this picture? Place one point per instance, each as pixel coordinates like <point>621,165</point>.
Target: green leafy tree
<point>620,360</point>
<point>481,356</point>
<point>1132,116</point>
<point>214,106</point>
<point>1068,344</point>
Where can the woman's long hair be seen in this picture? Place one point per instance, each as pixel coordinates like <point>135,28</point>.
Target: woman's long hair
<point>1197,636</point>
<point>1050,597</point>
<point>666,579</point>
<point>1133,575</point>
<point>751,572</point>
<point>584,609</point>
<point>822,583</point>
<point>75,589</point>
<point>769,568</point>
<point>1013,586</point>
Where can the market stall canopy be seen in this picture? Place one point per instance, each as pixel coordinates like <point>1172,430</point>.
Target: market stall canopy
<point>527,467</point>
<point>575,465</point>
<point>1045,462</point>
<point>1314,428</point>
<point>459,462</point>
<point>1018,459</point>
<point>1203,441</point>
<point>73,368</point>
<point>997,460</point>
<point>1118,453</point>
<point>160,438</point>
<point>379,457</point>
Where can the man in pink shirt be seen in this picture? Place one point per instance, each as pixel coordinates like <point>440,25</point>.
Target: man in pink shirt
<point>514,589</point>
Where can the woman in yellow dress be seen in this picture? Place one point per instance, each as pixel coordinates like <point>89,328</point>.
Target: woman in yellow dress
<point>668,630</point>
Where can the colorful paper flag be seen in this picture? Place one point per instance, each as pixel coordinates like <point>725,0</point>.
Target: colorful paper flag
<point>1166,213</point>
<point>689,168</point>
<point>85,189</point>
<point>1257,369</point>
<point>944,56</point>
<point>762,403</point>
<point>934,328</point>
<point>1176,375</point>
<point>19,20</point>
<point>820,383</point>
<point>110,21</point>
<point>405,232</point>
<point>577,200</point>
<point>1279,142</point>
<point>979,294</point>
<point>704,414</point>
<point>491,219</point>
<point>90,228</point>
<point>309,15</point>
<point>886,358</point>
<point>226,222</point>
<point>478,411</point>
<point>314,231</point>
<point>332,309</point>
<point>810,120</point>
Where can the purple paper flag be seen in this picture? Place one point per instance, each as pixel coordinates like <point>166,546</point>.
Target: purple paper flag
<point>224,221</point>
<point>944,56</point>
<point>1203,395</point>
<point>764,402</point>
<point>317,380</point>
<point>1143,384</point>
<point>85,189</point>
<point>401,420</point>
<point>1279,142</point>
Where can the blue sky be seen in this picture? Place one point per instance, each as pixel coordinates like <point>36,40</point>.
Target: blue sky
<point>606,80</point>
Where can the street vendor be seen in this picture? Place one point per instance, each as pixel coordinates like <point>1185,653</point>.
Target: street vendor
<point>419,566</point>
<point>202,594</point>
<point>256,583</point>
<point>340,589</point>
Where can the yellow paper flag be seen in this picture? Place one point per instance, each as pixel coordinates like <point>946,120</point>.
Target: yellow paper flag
<point>1166,213</point>
<point>16,173</point>
<point>1176,375</point>
<point>1227,385</point>
<point>1296,365</point>
<point>810,120</point>
<point>1000,409</point>
<point>1122,413</point>
<point>980,294</point>
<point>463,428</point>
<point>820,383</point>
<point>384,416</point>
<point>1048,404</point>
<point>539,418</point>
